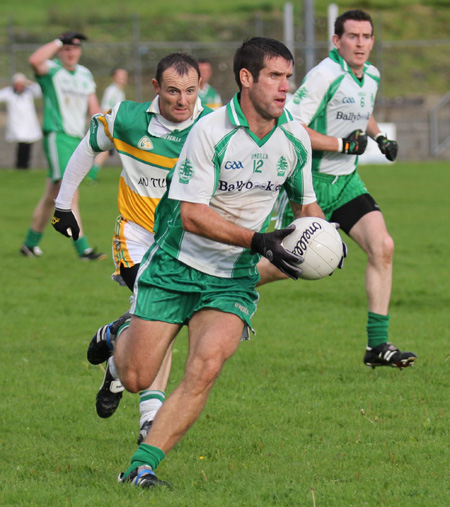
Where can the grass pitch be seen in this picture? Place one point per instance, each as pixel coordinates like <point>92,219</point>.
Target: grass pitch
<point>294,419</point>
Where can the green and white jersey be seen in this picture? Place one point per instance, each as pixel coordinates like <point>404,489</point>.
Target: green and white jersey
<point>66,97</point>
<point>334,102</point>
<point>210,97</point>
<point>112,96</point>
<point>148,146</point>
<point>224,165</point>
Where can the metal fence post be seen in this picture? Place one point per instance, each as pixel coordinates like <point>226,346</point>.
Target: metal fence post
<point>309,35</point>
<point>11,49</point>
<point>288,26</point>
<point>137,57</point>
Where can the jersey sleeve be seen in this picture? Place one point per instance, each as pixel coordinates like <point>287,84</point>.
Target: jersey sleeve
<point>309,98</point>
<point>299,185</point>
<point>5,93</point>
<point>79,165</point>
<point>196,172</point>
<point>35,90</point>
<point>101,130</point>
<point>45,80</point>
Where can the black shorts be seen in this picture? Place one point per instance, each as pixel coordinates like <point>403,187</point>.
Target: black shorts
<point>129,275</point>
<point>351,212</point>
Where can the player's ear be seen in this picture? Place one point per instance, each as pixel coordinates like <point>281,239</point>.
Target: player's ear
<point>246,78</point>
<point>156,86</point>
<point>335,41</point>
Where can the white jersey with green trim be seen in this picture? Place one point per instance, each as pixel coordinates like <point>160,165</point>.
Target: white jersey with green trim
<point>224,165</point>
<point>333,101</point>
<point>66,98</point>
<point>111,96</point>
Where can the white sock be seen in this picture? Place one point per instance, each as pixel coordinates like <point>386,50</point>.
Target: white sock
<point>149,404</point>
<point>112,368</point>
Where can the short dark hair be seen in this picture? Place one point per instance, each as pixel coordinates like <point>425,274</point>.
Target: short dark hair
<point>181,62</point>
<point>251,55</point>
<point>115,69</point>
<point>203,60</point>
<point>355,15</point>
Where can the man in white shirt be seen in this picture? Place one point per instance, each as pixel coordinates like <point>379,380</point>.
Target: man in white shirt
<point>22,125</point>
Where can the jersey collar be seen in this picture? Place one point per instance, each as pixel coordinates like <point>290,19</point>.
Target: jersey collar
<point>155,113</point>
<point>336,57</point>
<point>237,118</point>
<point>58,62</point>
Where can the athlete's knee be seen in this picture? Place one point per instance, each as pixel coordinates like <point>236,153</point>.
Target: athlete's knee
<point>382,250</point>
<point>49,200</point>
<point>201,373</point>
<point>51,191</point>
<point>135,380</point>
<point>134,374</point>
<point>389,246</point>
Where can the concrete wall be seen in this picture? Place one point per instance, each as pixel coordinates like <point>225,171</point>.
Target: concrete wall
<point>412,120</point>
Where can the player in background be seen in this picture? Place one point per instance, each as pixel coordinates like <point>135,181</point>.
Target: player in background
<point>209,235</point>
<point>149,138</point>
<point>69,95</point>
<point>335,103</point>
<point>208,95</point>
<point>113,94</point>
<point>22,124</point>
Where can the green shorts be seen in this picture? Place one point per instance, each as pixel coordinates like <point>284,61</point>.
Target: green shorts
<point>332,193</point>
<point>170,291</point>
<point>58,148</point>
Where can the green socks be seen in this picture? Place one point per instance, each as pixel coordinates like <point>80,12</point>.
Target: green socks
<point>32,238</point>
<point>93,173</point>
<point>377,329</point>
<point>145,455</point>
<point>81,245</point>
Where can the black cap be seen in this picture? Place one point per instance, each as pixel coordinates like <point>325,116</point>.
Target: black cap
<point>72,38</point>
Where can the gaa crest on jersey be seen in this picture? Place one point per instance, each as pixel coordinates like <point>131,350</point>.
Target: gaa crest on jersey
<point>185,172</point>
<point>145,144</point>
<point>300,94</point>
<point>282,165</point>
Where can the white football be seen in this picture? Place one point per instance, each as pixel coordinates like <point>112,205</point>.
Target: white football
<point>319,243</point>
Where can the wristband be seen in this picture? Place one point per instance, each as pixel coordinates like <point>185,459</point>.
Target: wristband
<point>340,144</point>
<point>378,135</point>
<point>59,43</point>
